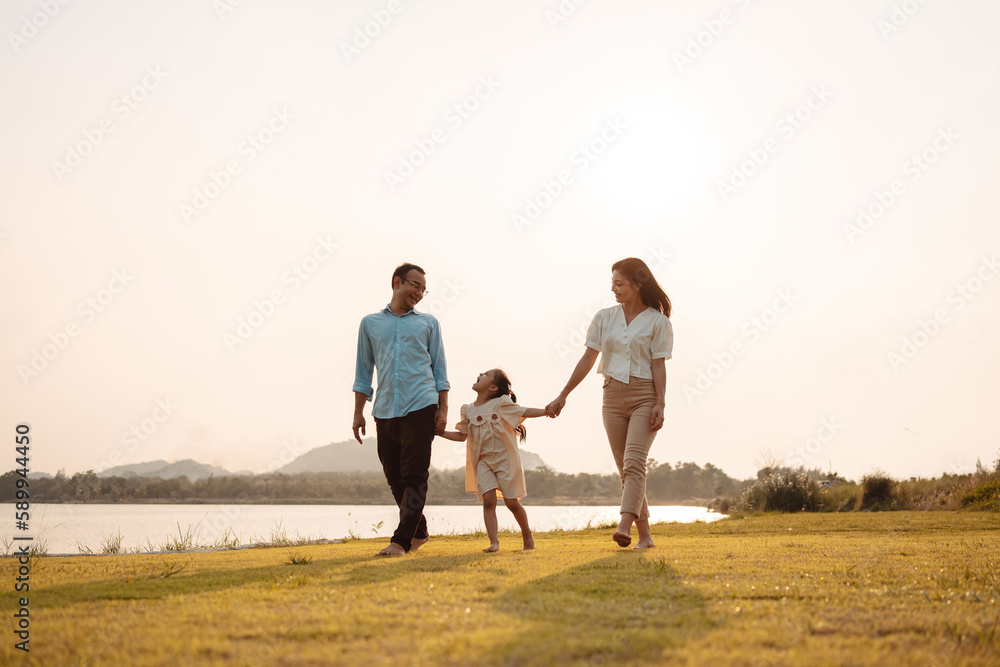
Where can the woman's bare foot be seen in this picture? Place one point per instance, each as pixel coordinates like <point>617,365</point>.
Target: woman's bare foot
<point>417,542</point>
<point>621,536</point>
<point>644,544</point>
<point>392,550</point>
<point>494,546</point>
<point>529,542</point>
<point>621,539</point>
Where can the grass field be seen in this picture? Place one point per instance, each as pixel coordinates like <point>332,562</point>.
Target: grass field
<point>899,588</point>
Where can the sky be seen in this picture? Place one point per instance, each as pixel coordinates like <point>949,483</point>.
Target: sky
<point>199,201</point>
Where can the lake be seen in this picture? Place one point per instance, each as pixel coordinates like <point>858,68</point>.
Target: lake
<point>65,529</point>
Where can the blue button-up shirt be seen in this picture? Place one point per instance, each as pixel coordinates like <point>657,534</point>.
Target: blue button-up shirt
<point>408,354</point>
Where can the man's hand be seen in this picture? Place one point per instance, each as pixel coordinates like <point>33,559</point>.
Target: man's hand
<point>441,420</point>
<point>359,424</point>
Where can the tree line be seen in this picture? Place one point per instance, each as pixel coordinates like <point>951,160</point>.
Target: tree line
<point>664,484</point>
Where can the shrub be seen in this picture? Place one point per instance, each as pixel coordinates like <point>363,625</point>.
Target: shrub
<point>944,493</point>
<point>985,495</point>
<point>848,504</point>
<point>878,491</point>
<point>782,490</point>
<point>840,498</point>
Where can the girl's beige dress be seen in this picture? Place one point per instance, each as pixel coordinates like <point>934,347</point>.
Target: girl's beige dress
<point>492,460</point>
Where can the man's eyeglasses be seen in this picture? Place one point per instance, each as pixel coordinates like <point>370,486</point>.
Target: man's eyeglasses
<point>420,288</point>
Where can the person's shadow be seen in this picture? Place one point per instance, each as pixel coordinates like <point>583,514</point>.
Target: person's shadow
<point>622,608</point>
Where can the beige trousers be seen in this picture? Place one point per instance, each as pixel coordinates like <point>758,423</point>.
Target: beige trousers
<point>627,411</point>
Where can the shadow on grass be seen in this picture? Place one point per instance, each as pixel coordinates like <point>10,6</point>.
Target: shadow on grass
<point>383,569</point>
<point>157,582</point>
<point>617,609</point>
<point>175,579</point>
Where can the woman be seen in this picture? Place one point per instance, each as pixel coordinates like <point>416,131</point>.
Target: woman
<point>633,340</point>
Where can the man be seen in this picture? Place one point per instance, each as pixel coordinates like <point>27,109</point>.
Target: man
<point>411,402</point>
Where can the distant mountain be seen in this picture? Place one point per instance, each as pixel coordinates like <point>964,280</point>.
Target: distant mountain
<point>531,461</point>
<point>349,456</point>
<point>337,457</point>
<point>187,468</point>
<point>138,469</point>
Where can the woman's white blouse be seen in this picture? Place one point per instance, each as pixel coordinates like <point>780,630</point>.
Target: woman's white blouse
<point>629,349</point>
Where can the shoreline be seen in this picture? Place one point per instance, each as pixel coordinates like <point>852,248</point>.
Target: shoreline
<point>110,528</point>
<point>291,544</point>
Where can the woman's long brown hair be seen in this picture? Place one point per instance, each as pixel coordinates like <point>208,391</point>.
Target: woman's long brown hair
<point>650,292</point>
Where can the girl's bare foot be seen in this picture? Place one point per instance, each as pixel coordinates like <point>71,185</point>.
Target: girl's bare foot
<point>529,542</point>
<point>644,544</point>
<point>494,546</point>
<point>392,550</point>
<point>416,543</point>
<point>621,539</point>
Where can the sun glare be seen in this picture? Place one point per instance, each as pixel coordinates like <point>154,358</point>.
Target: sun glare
<point>643,149</point>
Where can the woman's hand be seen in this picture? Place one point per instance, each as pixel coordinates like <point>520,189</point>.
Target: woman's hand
<point>656,419</point>
<point>555,407</point>
<point>583,367</point>
<point>659,384</point>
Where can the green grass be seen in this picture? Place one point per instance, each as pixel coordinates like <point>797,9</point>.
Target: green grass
<point>899,588</point>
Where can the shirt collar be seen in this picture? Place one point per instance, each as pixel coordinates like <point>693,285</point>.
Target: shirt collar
<point>388,309</point>
<point>621,311</point>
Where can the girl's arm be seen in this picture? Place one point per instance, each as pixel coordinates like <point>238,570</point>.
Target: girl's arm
<point>534,412</point>
<point>455,435</point>
<point>583,367</point>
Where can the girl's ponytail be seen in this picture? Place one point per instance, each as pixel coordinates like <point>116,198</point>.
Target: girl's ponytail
<point>502,382</point>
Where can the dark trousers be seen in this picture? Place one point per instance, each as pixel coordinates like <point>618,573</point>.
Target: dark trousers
<point>404,448</point>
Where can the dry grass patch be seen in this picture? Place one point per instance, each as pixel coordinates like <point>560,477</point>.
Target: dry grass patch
<point>899,588</point>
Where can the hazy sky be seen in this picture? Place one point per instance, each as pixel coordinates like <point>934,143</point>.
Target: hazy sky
<point>200,200</point>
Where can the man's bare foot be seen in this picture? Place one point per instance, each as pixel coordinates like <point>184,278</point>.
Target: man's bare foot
<point>644,544</point>
<point>418,542</point>
<point>529,542</point>
<point>392,550</point>
<point>621,539</point>
<point>494,546</point>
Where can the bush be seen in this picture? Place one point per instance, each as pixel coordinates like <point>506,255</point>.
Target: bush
<point>782,490</point>
<point>878,491</point>
<point>840,498</point>
<point>944,493</point>
<point>985,496</point>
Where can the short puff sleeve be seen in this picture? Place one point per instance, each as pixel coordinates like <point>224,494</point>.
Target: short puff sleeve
<point>510,411</point>
<point>463,425</point>
<point>595,332</point>
<point>662,344</point>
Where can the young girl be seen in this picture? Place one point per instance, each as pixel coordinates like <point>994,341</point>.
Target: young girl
<point>492,424</point>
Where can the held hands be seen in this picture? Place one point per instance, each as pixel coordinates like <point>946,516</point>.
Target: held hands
<point>440,420</point>
<point>555,407</point>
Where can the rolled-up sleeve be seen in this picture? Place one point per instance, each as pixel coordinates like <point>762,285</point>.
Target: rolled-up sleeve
<point>662,343</point>
<point>365,364</point>
<point>439,366</point>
